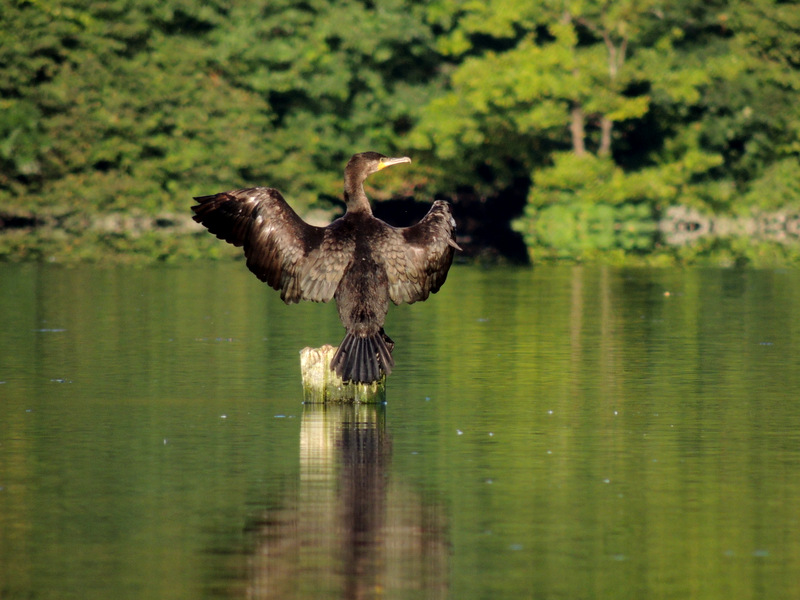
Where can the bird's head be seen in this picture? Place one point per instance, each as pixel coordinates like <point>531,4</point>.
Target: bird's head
<point>366,163</point>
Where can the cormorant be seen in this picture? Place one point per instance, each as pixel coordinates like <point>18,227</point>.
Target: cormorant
<point>358,259</point>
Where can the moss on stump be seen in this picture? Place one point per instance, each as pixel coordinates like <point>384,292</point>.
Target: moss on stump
<point>321,384</point>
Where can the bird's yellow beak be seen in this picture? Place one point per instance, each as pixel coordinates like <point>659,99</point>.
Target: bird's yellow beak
<point>388,162</point>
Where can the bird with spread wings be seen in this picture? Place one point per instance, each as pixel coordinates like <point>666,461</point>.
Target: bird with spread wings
<point>358,260</point>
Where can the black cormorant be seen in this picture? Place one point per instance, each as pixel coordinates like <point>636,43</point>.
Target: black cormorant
<point>358,259</point>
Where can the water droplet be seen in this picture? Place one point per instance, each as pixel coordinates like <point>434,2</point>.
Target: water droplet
<point>619,557</point>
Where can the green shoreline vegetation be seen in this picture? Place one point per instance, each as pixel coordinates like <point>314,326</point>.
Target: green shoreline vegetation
<point>604,117</point>
<point>173,239</point>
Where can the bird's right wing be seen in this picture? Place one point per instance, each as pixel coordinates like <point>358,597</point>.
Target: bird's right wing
<point>419,257</point>
<point>302,261</point>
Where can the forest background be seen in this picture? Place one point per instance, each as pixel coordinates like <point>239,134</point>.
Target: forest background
<point>629,131</point>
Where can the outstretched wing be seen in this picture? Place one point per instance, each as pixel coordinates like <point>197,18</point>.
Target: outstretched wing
<point>302,261</point>
<point>418,257</point>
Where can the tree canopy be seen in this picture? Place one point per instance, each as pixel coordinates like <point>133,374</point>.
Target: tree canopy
<point>608,112</point>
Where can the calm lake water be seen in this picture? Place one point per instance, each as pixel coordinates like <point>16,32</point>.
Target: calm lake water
<point>549,433</point>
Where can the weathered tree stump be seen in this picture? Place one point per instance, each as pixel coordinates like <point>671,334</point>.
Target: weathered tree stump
<point>321,384</point>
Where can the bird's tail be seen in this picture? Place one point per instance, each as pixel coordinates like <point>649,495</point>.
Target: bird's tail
<point>363,359</point>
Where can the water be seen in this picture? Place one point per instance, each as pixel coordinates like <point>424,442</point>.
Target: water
<point>557,432</point>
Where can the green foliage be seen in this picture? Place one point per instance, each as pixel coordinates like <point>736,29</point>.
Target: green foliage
<point>618,110</point>
<point>122,104</point>
<point>612,111</point>
<point>126,110</point>
<point>341,77</point>
<point>580,231</point>
<point>585,205</point>
<point>777,187</point>
<point>535,78</point>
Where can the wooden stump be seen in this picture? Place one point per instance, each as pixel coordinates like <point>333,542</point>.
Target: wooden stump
<point>321,384</point>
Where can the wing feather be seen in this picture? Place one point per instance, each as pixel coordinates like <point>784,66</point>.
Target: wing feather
<point>300,260</point>
<point>419,257</point>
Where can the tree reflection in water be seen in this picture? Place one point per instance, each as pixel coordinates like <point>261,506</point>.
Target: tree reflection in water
<point>351,531</point>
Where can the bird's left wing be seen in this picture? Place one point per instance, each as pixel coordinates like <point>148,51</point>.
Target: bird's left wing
<point>302,261</point>
<point>419,257</point>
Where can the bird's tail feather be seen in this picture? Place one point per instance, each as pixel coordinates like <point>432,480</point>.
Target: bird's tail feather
<point>363,359</point>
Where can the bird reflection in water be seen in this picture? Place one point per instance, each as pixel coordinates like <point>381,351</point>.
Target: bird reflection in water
<point>351,532</point>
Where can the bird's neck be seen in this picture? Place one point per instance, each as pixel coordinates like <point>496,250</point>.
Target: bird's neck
<point>355,198</point>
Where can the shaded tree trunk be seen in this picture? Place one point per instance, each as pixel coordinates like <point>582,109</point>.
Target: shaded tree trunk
<point>606,127</point>
<point>577,128</point>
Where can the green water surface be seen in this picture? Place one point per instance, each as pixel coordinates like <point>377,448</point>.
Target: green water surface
<point>549,433</point>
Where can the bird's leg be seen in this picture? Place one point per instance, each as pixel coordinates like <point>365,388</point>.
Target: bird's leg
<point>389,341</point>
